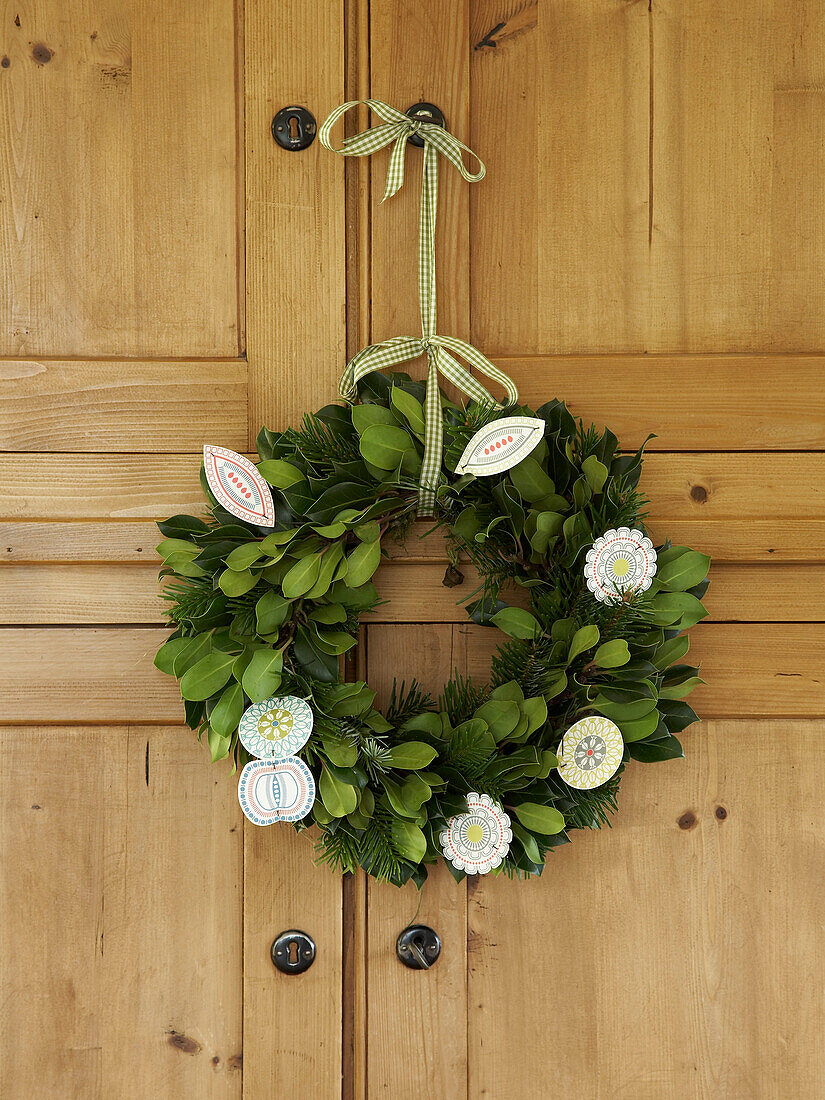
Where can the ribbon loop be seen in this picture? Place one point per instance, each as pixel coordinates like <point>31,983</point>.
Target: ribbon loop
<point>441,351</point>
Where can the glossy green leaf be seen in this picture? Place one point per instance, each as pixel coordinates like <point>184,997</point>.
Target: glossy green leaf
<point>262,676</point>
<point>412,755</point>
<point>539,819</point>
<point>362,563</point>
<point>300,577</point>
<point>207,676</point>
<point>237,583</point>
<point>226,714</point>
<point>279,473</point>
<point>584,638</point>
<point>271,612</point>
<point>408,840</point>
<point>517,623</point>
<point>384,446</point>
<point>612,654</point>
<point>339,798</point>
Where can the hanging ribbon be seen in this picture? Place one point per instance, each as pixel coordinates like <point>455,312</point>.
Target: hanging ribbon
<point>440,350</point>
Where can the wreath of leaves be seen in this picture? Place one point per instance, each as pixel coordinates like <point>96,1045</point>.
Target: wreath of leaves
<point>260,613</point>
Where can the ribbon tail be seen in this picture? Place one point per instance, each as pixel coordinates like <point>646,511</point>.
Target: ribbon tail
<point>433,439</point>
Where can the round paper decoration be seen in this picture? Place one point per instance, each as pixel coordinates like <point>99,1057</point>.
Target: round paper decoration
<point>276,790</point>
<point>500,445</point>
<point>618,562</point>
<point>276,728</point>
<point>477,841</point>
<point>237,486</point>
<point>590,752</point>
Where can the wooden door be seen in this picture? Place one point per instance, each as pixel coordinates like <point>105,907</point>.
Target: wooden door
<point>648,245</point>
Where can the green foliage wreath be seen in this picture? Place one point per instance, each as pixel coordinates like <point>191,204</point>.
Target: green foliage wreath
<point>257,613</point>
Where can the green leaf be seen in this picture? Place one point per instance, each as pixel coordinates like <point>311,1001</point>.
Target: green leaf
<point>218,744</point>
<point>329,613</point>
<point>679,691</point>
<point>199,646</point>
<point>584,638</point>
<point>170,547</point>
<point>340,798</point>
<point>344,754</point>
<point>367,416</point>
<point>335,642</point>
<point>271,612</point>
<point>410,409</point>
<point>595,472</point>
<point>612,654</point>
<point>624,712</point>
<point>362,563</point>
<point>165,656</point>
<point>536,711</point>
<point>684,571</point>
<point>262,676</point>
<point>408,840</point>
<point>669,748</point>
<point>206,676</point>
<point>243,556</point>
<point>300,578</point>
<point>501,715</point>
<point>384,446</point>
<point>528,843</point>
<point>279,473</point>
<point>680,608</point>
<point>329,563</point>
<point>539,819</point>
<point>227,712</point>
<point>532,482</point>
<point>640,728</point>
<point>674,649</point>
<point>411,755</point>
<point>517,623</point>
<point>236,584</point>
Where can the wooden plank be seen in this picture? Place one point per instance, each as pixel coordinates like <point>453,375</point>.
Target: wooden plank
<point>428,1009</point>
<point>669,951</point>
<point>126,405</point>
<point>121,915</point>
<point>296,340</point>
<point>102,593</point>
<point>72,540</point>
<point>560,227</point>
<point>119,169</point>
<point>295,251</point>
<point>755,670</point>
<point>691,402</point>
<point>736,507</point>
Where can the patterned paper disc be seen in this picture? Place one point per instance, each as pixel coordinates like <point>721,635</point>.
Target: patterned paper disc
<point>237,486</point>
<point>276,728</point>
<point>477,841</point>
<point>618,562</point>
<point>500,445</point>
<point>590,752</point>
<point>276,790</point>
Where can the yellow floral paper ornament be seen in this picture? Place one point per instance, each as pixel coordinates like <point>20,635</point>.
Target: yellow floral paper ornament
<point>590,752</point>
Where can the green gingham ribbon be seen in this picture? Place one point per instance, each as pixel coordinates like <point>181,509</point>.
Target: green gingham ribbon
<point>441,351</point>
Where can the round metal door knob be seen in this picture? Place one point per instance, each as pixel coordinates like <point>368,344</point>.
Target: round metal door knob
<point>418,947</point>
<point>293,952</point>
<point>426,112</point>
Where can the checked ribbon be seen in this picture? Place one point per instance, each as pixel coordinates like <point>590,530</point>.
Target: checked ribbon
<point>441,351</point>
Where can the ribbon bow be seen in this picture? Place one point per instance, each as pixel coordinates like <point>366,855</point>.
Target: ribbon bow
<point>440,350</point>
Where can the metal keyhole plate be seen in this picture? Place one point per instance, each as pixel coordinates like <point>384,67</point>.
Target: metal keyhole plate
<point>418,947</point>
<point>293,952</point>
<point>427,112</point>
<point>294,128</point>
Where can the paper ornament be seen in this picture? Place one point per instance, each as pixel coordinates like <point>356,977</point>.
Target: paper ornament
<point>237,486</point>
<point>276,728</point>
<point>618,562</point>
<point>276,790</point>
<point>590,752</point>
<point>501,445</point>
<point>477,841</point>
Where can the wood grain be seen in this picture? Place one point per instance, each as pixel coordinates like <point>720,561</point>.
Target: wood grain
<point>296,339</point>
<point>128,405</point>
<point>121,931</point>
<point>119,172</point>
<point>428,1007</point>
<point>643,963</point>
<point>295,250</point>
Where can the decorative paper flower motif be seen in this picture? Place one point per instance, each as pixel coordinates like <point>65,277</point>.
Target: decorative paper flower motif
<point>590,752</point>
<point>276,728</point>
<point>618,562</point>
<point>237,486</point>
<point>500,445</point>
<point>276,790</point>
<point>477,841</point>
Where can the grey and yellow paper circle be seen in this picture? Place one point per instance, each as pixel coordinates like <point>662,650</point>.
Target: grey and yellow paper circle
<point>590,752</point>
<point>276,728</point>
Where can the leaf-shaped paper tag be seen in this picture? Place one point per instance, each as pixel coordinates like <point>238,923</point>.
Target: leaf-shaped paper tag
<point>237,486</point>
<point>500,445</point>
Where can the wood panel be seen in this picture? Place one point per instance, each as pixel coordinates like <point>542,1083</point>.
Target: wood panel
<point>668,956</point>
<point>295,309</point>
<point>126,405</point>
<point>121,930</point>
<point>103,593</point>
<point>429,1009</point>
<point>119,169</point>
